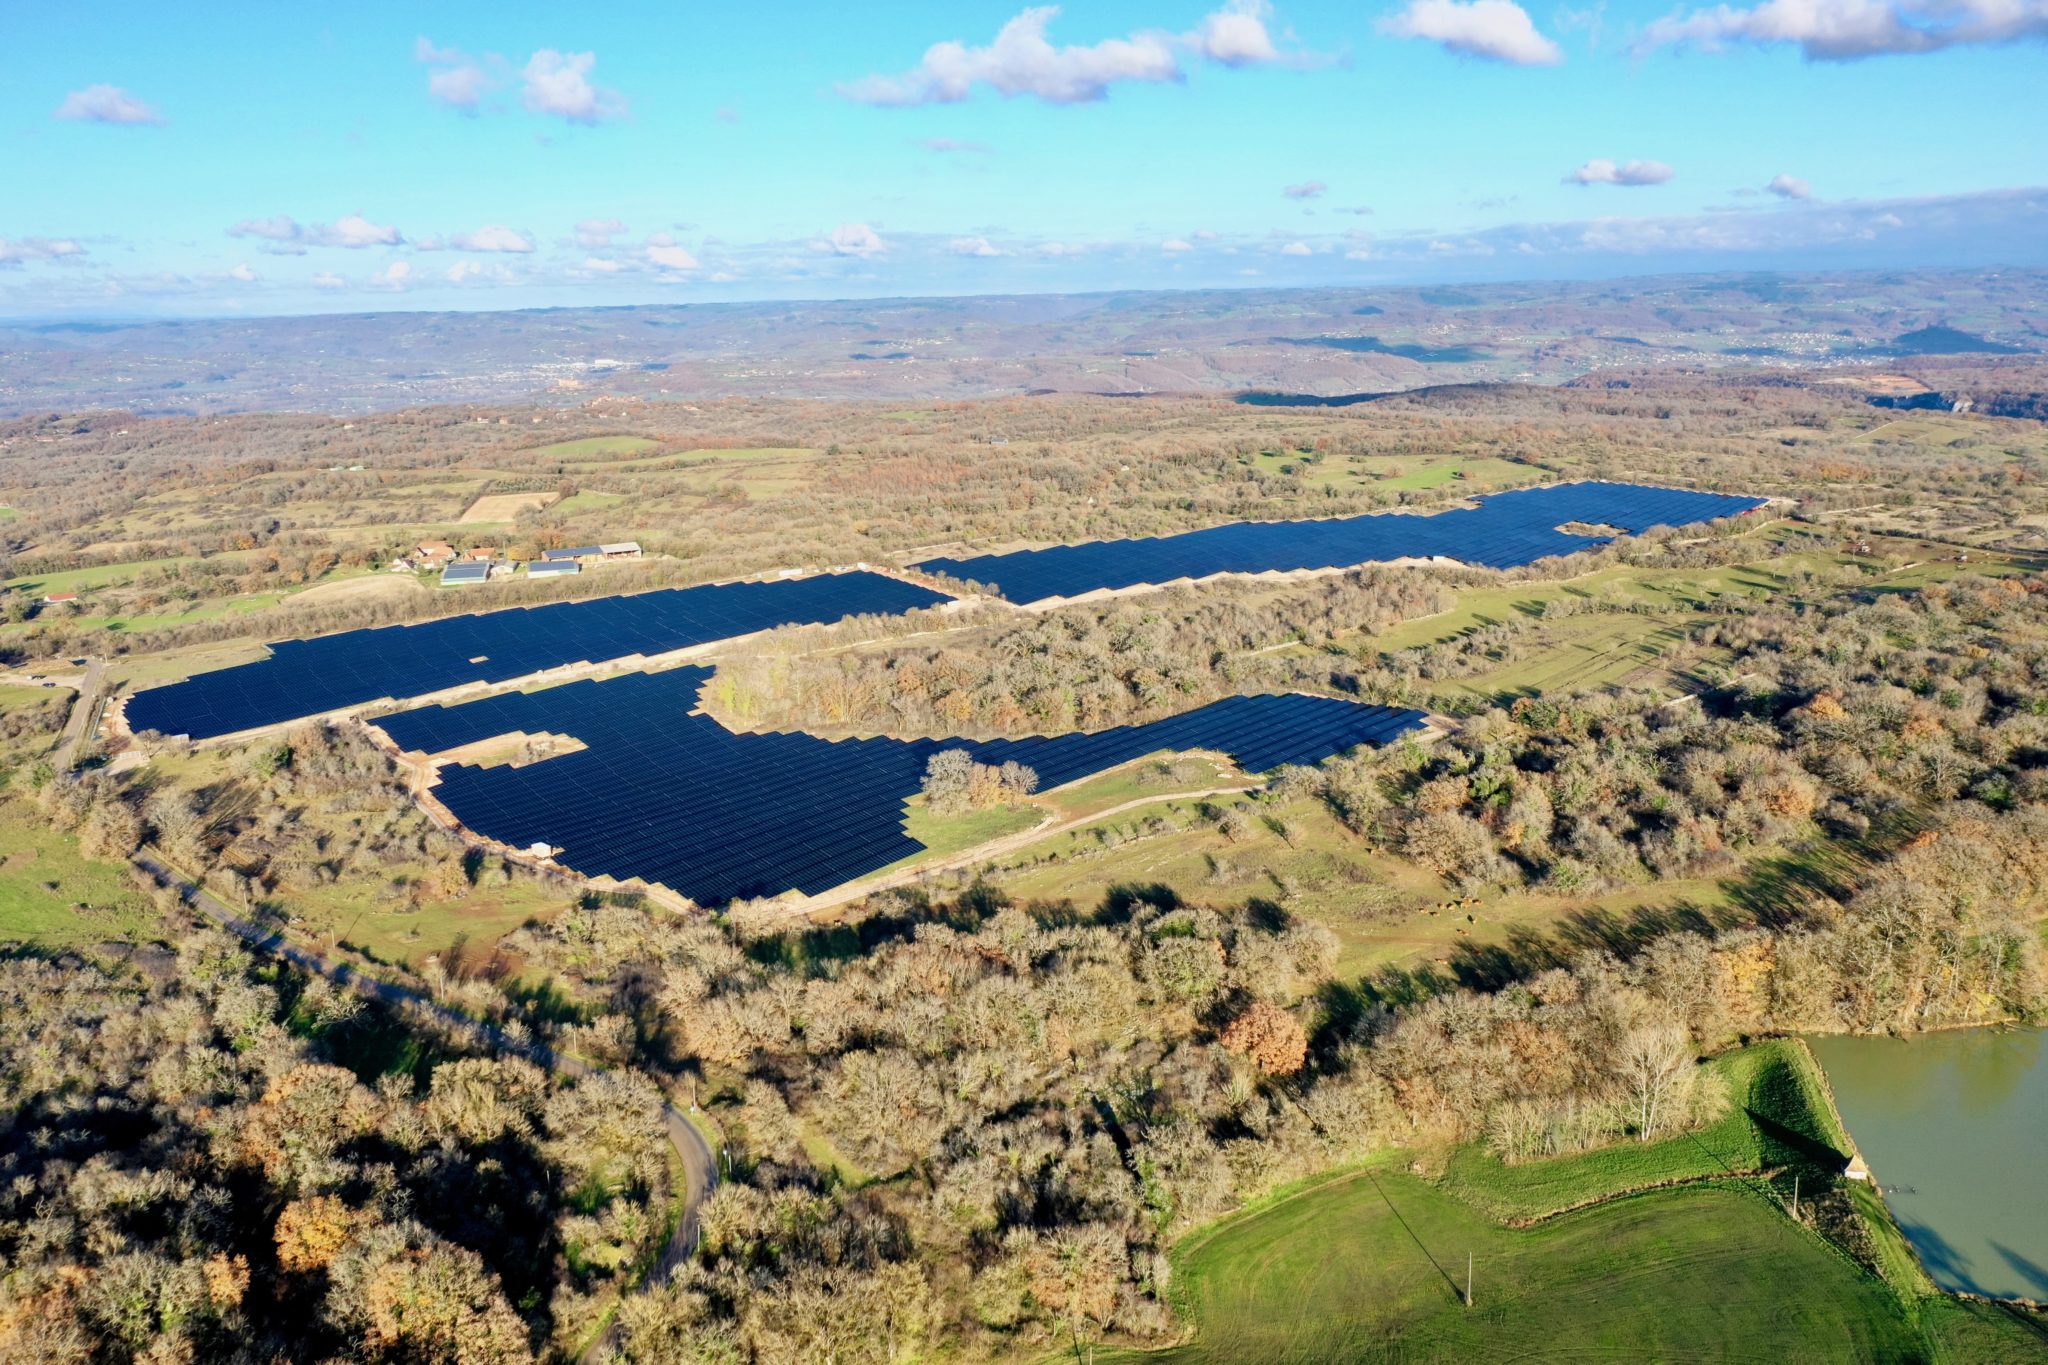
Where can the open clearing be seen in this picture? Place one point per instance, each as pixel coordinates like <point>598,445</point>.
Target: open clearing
<point>52,895</point>
<point>592,447</point>
<point>382,587</point>
<point>503,507</point>
<point>1371,1264</point>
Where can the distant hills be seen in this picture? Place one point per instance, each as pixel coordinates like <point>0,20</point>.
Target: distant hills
<point>1314,342</point>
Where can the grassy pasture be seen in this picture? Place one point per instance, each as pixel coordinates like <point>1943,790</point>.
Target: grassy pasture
<point>1369,1266</point>
<point>1638,1251</point>
<point>591,448</point>
<point>45,880</point>
<point>1358,473</point>
<point>93,576</point>
<point>392,929</point>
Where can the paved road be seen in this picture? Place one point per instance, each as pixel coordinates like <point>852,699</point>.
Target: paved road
<point>700,1164</point>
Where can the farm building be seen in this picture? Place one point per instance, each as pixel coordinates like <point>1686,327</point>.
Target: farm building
<point>590,554</point>
<point>457,575</point>
<point>433,552</point>
<point>553,568</point>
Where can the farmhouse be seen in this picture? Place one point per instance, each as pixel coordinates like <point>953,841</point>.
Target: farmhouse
<point>433,553</point>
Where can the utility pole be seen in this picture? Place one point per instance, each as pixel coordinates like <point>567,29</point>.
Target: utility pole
<point>1468,1279</point>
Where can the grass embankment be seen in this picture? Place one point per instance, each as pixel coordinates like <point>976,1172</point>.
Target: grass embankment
<point>1618,1258</point>
<point>1778,1118</point>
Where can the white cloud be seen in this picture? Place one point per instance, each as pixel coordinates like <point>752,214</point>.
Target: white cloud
<point>1203,235</point>
<point>244,273</point>
<point>353,231</point>
<point>107,104</point>
<point>596,233</point>
<point>1307,189</point>
<point>664,252</point>
<point>1297,249</point>
<point>462,272</point>
<point>1789,187</point>
<point>460,87</point>
<point>1358,253</point>
<point>394,276</point>
<point>327,279</point>
<point>1173,246</point>
<point>1021,60</point>
<point>1602,171</point>
<point>1848,30</point>
<point>974,246</point>
<point>558,83</point>
<point>289,237</point>
<point>457,80</point>
<point>278,229</point>
<point>1062,249</point>
<point>1236,34</point>
<point>1497,30</point>
<point>945,145</point>
<point>854,239</point>
<point>13,253</point>
<point>601,265</point>
<point>492,238</point>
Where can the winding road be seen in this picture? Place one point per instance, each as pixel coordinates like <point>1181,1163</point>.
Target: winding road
<point>699,1162</point>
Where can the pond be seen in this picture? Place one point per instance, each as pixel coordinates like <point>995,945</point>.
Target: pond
<point>1954,1127</point>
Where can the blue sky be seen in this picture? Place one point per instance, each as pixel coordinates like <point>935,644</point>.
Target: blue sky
<point>264,158</point>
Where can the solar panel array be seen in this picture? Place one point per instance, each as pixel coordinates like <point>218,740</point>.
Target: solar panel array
<point>1505,530</point>
<point>328,672</point>
<point>677,799</point>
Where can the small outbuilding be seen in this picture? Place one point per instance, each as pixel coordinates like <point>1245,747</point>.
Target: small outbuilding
<point>553,568</point>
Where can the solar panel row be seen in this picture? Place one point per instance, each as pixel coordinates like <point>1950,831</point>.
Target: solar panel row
<point>328,672</point>
<point>675,798</point>
<point>1504,531</point>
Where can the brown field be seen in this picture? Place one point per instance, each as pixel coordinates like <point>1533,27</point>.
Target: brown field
<point>493,507</point>
<point>366,588</point>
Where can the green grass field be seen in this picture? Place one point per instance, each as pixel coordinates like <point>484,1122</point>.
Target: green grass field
<point>1369,1266</point>
<point>587,447</point>
<point>392,930</point>
<point>86,579</point>
<point>53,897</point>
<point>1477,473</point>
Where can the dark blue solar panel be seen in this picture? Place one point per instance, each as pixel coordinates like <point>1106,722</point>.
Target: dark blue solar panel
<point>670,797</point>
<point>329,672</point>
<point>1505,530</point>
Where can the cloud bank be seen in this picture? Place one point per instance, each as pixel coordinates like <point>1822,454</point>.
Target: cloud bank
<point>1022,60</point>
